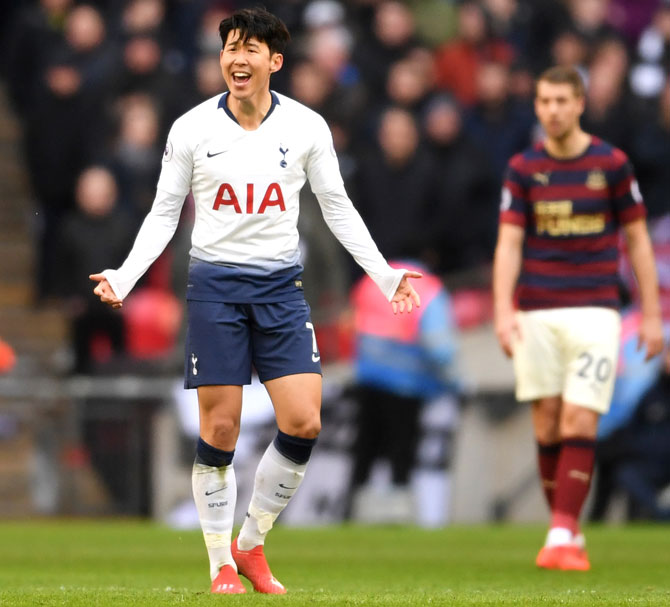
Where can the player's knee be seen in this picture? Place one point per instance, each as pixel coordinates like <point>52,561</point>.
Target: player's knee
<point>222,430</point>
<point>308,426</point>
<point>579,422</point>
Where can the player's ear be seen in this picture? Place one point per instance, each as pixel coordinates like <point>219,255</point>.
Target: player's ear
<point>276,62</point>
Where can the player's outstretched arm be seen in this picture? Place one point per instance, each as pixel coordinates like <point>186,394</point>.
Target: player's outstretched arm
<point>105,292</point>
<point>406,297</point>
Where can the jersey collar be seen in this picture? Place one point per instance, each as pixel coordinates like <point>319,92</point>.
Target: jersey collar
<point>223,104</point>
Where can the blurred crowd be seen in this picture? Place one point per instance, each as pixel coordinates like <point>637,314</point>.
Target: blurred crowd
<point>427,100</point>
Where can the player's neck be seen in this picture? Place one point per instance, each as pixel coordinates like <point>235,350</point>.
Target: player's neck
<point>572,145</point>
<point>250,112</point>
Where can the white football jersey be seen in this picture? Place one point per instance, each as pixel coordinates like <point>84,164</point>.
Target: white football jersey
<point>246,184</point>
<point>246,187</point>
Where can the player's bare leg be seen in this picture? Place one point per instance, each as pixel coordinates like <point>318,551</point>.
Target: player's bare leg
<point>214,486</point>
<point>564,548</point>
<point>297,403</point>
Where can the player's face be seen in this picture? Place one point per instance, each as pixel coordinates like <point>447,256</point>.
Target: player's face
<point>558,108</point>
<point>247,65</point>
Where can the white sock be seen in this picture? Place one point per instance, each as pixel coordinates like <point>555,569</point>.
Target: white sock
<point>215,492</point>
<point>558,536</point>
<point>277,479</point>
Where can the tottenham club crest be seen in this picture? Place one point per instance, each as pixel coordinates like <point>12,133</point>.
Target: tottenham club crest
<point>283,164</point>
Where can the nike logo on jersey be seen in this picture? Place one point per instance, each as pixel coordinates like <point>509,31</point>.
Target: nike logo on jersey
<point>210,155</point>
<point>283,486</point>
<point>215,490</point>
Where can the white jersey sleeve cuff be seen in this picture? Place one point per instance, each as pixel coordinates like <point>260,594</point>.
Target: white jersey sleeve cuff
<point>389,281</point>
<point>157,229</point>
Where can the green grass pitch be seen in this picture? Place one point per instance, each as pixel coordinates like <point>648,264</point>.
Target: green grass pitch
<point>124,563</point>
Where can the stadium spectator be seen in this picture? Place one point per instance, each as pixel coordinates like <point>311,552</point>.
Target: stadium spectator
<point>498,122</point>
<point>394,186</point>
<point>546,20</point>
<point>465,191</point>
<point>408,84</point>
<point>558,238</point>
<point>135,152</point>
<point>570,49</point>
<point>328,50</point>
<point>207,77</point>
<point>36,32</point>
<point>399,367</point>
<point>391,37</point>
<point>590,18</point>
<point>608,112</point>
<point>458,61</point>
<point>245,293</point>
<point>509,22</point>
<point>143,17</point>
<point>313,87</point>
<point>62,130</point>
<point>94,233</point>
<point>143,69</point>
<point>650,149</point>
<point>652,55</point>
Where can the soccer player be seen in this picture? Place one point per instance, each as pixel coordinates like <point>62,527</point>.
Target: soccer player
<point>245,155</point>
<point>563,201</point>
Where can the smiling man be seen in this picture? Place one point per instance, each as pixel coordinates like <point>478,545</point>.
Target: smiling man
<point>245,155</point>
<point>563,203</point>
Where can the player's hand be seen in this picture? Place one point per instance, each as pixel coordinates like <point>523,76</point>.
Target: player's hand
<point>650,336</point>
<point>406,297</point>
<point>105,292</point>
<point>507,330</point>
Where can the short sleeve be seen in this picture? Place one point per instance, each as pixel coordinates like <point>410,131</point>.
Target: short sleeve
<point>513,196</point>
<point>626,196</point>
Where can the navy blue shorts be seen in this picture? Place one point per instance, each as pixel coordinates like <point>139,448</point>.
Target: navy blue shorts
<point>224,340</point>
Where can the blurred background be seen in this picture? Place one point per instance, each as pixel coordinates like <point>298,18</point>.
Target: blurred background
<point>427,100</point>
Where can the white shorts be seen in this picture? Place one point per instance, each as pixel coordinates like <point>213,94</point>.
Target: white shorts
<point>570,352</point>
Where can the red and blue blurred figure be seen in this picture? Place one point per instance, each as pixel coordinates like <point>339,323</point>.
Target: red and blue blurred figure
<point>406,391</point>
<point>408,354</point>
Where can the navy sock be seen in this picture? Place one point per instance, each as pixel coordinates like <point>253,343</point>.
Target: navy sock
<point>211,456</point>
<point>295,448</point>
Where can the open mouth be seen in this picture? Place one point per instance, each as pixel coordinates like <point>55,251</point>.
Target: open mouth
<point>241,77</point>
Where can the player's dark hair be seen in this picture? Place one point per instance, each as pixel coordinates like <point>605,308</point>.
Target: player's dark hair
<point>257,23</point>
<point>563,75</point>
